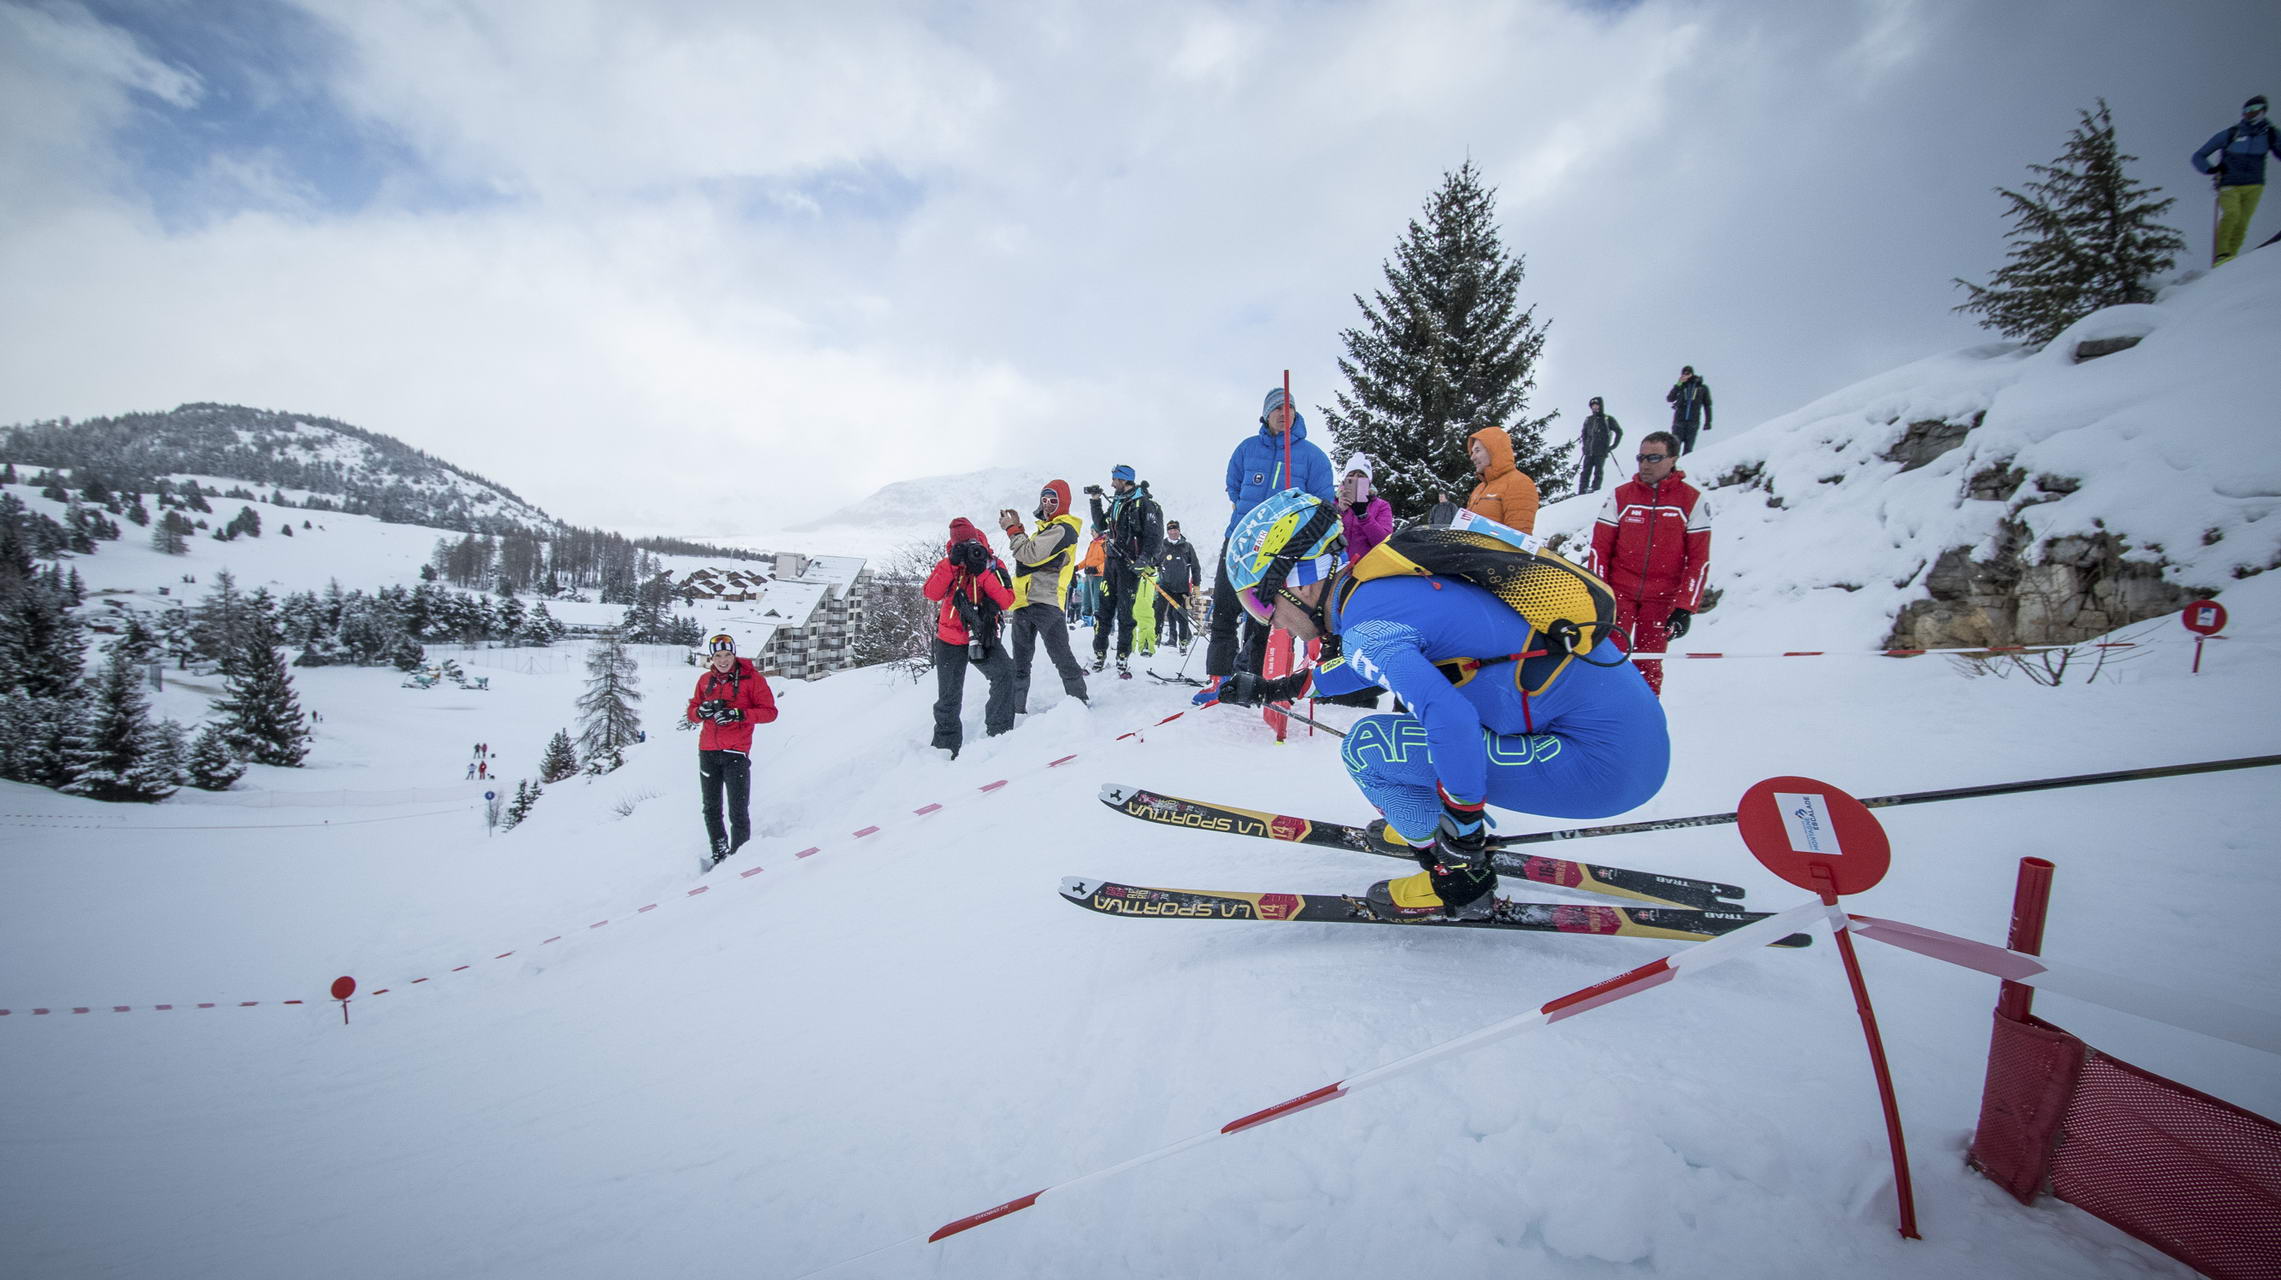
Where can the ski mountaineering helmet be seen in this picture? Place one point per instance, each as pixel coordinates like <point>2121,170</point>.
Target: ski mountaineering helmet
<point>722,642</point>
<point>1291,539</point>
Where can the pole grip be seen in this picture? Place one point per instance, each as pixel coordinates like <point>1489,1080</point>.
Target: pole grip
<point>2031,896</point>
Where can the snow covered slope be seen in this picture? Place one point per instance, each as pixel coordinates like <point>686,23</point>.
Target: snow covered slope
<point>581,1066</point>
<point>2167,445</point>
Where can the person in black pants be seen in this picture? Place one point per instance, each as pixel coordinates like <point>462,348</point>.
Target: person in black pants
<point>1177,572</point>
<point>1601,436</point>
<point>1133,526</point>
<point>731,697</point>
<point>1690,401</point>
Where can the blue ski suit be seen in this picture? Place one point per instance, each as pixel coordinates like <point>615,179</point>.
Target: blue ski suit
<point>1590,744</point>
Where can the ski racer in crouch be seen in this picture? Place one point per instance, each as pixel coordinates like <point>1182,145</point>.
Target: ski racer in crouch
<point>1544,717</point>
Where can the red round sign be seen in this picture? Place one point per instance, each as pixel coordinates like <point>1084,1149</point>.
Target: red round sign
<point>343,988</point>
<point>1796,825</point>
<point>2204,617</point>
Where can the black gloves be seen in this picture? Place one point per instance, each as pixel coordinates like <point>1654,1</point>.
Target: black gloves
<point>728,715</point>
<point>1244,689</point>
<point>1463,837</point>
<point>1678,623</point>
<point>710,707</point>
<point>970,555</point>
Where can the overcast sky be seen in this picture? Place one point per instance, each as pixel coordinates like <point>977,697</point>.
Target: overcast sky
<point>714,267</point>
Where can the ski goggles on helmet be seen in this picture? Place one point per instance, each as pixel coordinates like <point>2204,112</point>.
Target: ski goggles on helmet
<point>1291,539</point>
<point>722,643</point>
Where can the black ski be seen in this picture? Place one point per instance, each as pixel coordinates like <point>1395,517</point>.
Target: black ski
<point>1669,923</point>
<point>1614,882</point>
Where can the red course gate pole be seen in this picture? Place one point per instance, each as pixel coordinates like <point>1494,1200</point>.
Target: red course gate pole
<point>1902,1191</point>
<point>2031,896</point>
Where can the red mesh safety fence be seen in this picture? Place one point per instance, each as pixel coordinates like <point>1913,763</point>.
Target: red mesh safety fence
<point>2192,1175</point>
<point>2031,1075</point>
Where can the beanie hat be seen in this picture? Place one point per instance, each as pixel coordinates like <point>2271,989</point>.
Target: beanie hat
<point>1275,400</point>
<point>963,530</point>
<point>1359,462</point>
<point>1123,472</point>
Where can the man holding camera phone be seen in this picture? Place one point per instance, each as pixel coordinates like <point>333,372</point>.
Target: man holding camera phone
<point>731,697</point>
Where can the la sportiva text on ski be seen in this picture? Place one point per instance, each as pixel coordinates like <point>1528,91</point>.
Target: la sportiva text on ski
<point>1614,882</point>
<point>1672,923</point>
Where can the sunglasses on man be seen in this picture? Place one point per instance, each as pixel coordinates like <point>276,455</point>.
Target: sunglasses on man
<point>1651,457</point>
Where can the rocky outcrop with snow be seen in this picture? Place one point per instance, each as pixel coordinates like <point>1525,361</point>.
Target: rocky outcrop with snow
<point>2000,495</point>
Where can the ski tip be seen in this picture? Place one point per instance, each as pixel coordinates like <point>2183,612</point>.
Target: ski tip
<point>1115,793</point>
<point>1078,888</point>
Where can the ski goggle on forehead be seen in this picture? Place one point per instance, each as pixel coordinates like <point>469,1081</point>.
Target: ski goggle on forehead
<point>721,644</point>
<point>1302,574</point>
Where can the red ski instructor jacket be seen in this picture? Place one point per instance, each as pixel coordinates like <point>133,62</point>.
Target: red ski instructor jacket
<point>1653,542</point>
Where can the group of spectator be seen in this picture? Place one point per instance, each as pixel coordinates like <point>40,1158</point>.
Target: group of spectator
<point>1651,541</point>
<point>1131,574</point>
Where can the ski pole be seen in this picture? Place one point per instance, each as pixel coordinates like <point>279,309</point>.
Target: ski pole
<point>1913,797</point>
<point>1285,709</point>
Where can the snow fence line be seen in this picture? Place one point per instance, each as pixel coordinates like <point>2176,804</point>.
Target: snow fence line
<point>2189,1010</point>
<point>925,810</point>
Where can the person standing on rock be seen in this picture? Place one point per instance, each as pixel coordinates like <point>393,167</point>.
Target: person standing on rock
<point>1690,401</point>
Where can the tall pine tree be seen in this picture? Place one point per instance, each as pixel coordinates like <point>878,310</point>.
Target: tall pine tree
<point>2084,236</point>
<point>115,752</point>
<point>560,760</point>
<point>1444,350</point>
<point>608,722</point>
<point>260,713</point>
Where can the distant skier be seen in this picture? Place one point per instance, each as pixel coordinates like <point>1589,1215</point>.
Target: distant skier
<point>973,591</point>
<point>1045,560</point>
<point>1365,517</point>
<point>2241,149</point>
<point>483,772</point>
<point>1652,544</point>
<point>1601,435</point>
<point>1690,401</point>
<point>1132,526</point>
<point>1499,712</point>
<point>1505,494</point>
<point>471,771</point>
<point>730,698</point>
<point>1178,573</point>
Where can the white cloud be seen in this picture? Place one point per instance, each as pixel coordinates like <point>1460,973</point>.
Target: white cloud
<point>755,260</point>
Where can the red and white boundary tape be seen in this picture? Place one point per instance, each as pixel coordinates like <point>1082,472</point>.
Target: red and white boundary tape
<point>1701,955</point>
<point>1981,651</point>
<point>2188,1010</point>
<point>865,832</point>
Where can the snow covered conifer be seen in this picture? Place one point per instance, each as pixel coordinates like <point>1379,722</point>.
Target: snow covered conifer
<point>115,752</point>
<point>260,714</point>
<point>211,764</point>
<point>2084,236</point>
<point>560,760</point>
<point>609,724</point>
<point>519,808</point>
<point>1444,350</point>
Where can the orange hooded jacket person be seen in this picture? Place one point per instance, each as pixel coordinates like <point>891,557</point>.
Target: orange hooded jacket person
<point>1505,493</point>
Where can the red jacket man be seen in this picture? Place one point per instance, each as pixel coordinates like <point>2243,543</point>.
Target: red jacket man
<point>731,697</point>
<point>971,590</point>
<point>1652,543</point>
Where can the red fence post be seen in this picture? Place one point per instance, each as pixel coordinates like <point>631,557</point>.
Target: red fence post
<point>2031,895</point>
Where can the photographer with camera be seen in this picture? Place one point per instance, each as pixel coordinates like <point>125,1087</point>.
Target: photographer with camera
<point>973,592</point>
<point>1133,528</point>
<point>731,697</point>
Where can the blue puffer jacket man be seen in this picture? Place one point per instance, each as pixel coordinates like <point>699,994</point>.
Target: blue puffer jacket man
<point>1256,471</point>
